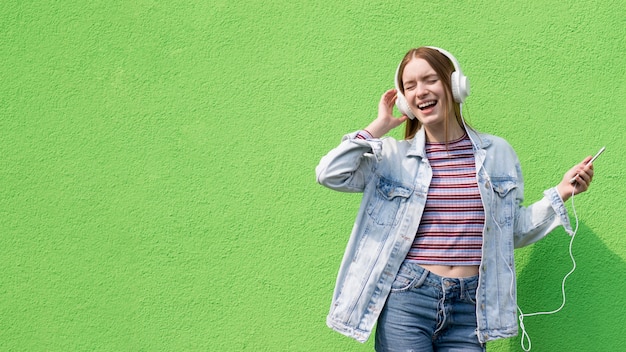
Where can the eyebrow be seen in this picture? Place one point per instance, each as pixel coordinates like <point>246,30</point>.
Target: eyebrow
<point>425,77</point>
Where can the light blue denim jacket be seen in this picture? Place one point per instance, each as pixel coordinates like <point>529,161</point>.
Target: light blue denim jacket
<point>394,177</point>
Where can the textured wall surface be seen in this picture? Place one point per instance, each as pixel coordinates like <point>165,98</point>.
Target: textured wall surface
<point>157,162</point>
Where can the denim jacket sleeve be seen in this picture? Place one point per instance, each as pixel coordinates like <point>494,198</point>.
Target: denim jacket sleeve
<point>540,218</point>
<point>530,223</point>
<point>349,166</point>
<point>536,221</point>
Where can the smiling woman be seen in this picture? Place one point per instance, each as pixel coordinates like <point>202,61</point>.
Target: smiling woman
<point>435,68</point>
<point>423,90</point>
<point>431,253</point>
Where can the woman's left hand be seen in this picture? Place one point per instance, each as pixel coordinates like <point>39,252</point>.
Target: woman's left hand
<point>582,174</point>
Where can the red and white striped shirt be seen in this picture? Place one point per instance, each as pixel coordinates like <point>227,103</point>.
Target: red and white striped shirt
<point>450,232</point>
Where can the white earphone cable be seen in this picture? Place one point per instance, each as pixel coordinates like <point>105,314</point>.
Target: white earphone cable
<point>525,336</point>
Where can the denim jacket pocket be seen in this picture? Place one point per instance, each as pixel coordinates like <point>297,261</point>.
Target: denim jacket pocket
<point>384,205</point>
<point>504,188</point>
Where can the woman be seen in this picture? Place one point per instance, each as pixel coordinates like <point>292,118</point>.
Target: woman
<point>430,257</point>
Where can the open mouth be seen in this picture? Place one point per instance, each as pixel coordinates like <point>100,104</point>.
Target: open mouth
<point>427,104</point>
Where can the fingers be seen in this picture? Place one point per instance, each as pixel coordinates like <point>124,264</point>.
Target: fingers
<point>389,97</point>
<point>400,120</point>
<point>586,171</point>
<point>387,101</point>
<point>583,168</point>
<point>389,93</point>
<point>583,179</point>
<point>583,175</point>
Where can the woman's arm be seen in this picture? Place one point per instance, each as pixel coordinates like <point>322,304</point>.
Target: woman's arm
<point>539,219</point>
<point>349,166</point>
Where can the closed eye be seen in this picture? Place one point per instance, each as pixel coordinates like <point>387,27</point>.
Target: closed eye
<point>431,79</point>
<point>409,85</point>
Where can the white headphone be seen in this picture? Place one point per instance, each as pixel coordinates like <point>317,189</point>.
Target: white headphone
<point>459,83</point>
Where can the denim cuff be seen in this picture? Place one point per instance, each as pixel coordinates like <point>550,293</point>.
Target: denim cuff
<point>375,144</point>
<point>559,208</point>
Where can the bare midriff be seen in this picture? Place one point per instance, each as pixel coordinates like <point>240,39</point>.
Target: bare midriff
<point>452,271</point>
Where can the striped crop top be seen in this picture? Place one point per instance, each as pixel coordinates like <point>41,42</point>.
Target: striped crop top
<point>450,232</point>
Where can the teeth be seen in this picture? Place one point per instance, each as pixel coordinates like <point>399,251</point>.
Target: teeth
<point>427,104</point>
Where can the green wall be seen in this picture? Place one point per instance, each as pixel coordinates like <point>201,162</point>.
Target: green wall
<point>157,162</point>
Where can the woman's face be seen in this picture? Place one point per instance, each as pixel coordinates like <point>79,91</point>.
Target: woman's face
<point>425,93</point>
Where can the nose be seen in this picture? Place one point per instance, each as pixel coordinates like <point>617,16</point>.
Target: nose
<point>422,90</point>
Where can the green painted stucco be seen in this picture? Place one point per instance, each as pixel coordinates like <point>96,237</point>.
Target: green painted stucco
<point>157,162</point>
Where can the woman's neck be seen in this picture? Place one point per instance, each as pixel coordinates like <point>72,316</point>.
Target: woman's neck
<point>438,135</point>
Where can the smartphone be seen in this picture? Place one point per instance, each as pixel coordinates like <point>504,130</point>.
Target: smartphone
<point>596,156</point>
<point>589,162</point>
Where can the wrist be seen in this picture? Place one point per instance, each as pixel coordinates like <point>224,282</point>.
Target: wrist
<point>375,130</point>
<point>563,192</point>
<point>366,133</point>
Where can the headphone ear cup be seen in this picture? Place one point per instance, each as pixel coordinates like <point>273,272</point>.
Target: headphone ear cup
<point>460,87</point>
<point>403,106</point>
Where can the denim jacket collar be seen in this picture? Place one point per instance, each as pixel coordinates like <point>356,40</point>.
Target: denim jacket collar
<point>418,143</point>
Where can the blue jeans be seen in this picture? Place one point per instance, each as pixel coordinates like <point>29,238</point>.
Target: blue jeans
<point>426,312</point>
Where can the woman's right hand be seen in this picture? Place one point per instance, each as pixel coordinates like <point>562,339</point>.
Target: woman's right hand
<point>385,121</point>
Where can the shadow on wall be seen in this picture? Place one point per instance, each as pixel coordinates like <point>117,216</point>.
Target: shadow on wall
<point>593,316</point>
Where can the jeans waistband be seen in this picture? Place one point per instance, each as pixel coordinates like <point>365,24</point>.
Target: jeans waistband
<point>432,279</point>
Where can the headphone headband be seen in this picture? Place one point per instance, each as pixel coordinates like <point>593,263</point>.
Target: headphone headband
<point>455,63</point>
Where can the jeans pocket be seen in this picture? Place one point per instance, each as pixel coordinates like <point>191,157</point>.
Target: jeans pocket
<point>469,296</point>
<point>406,279</point>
